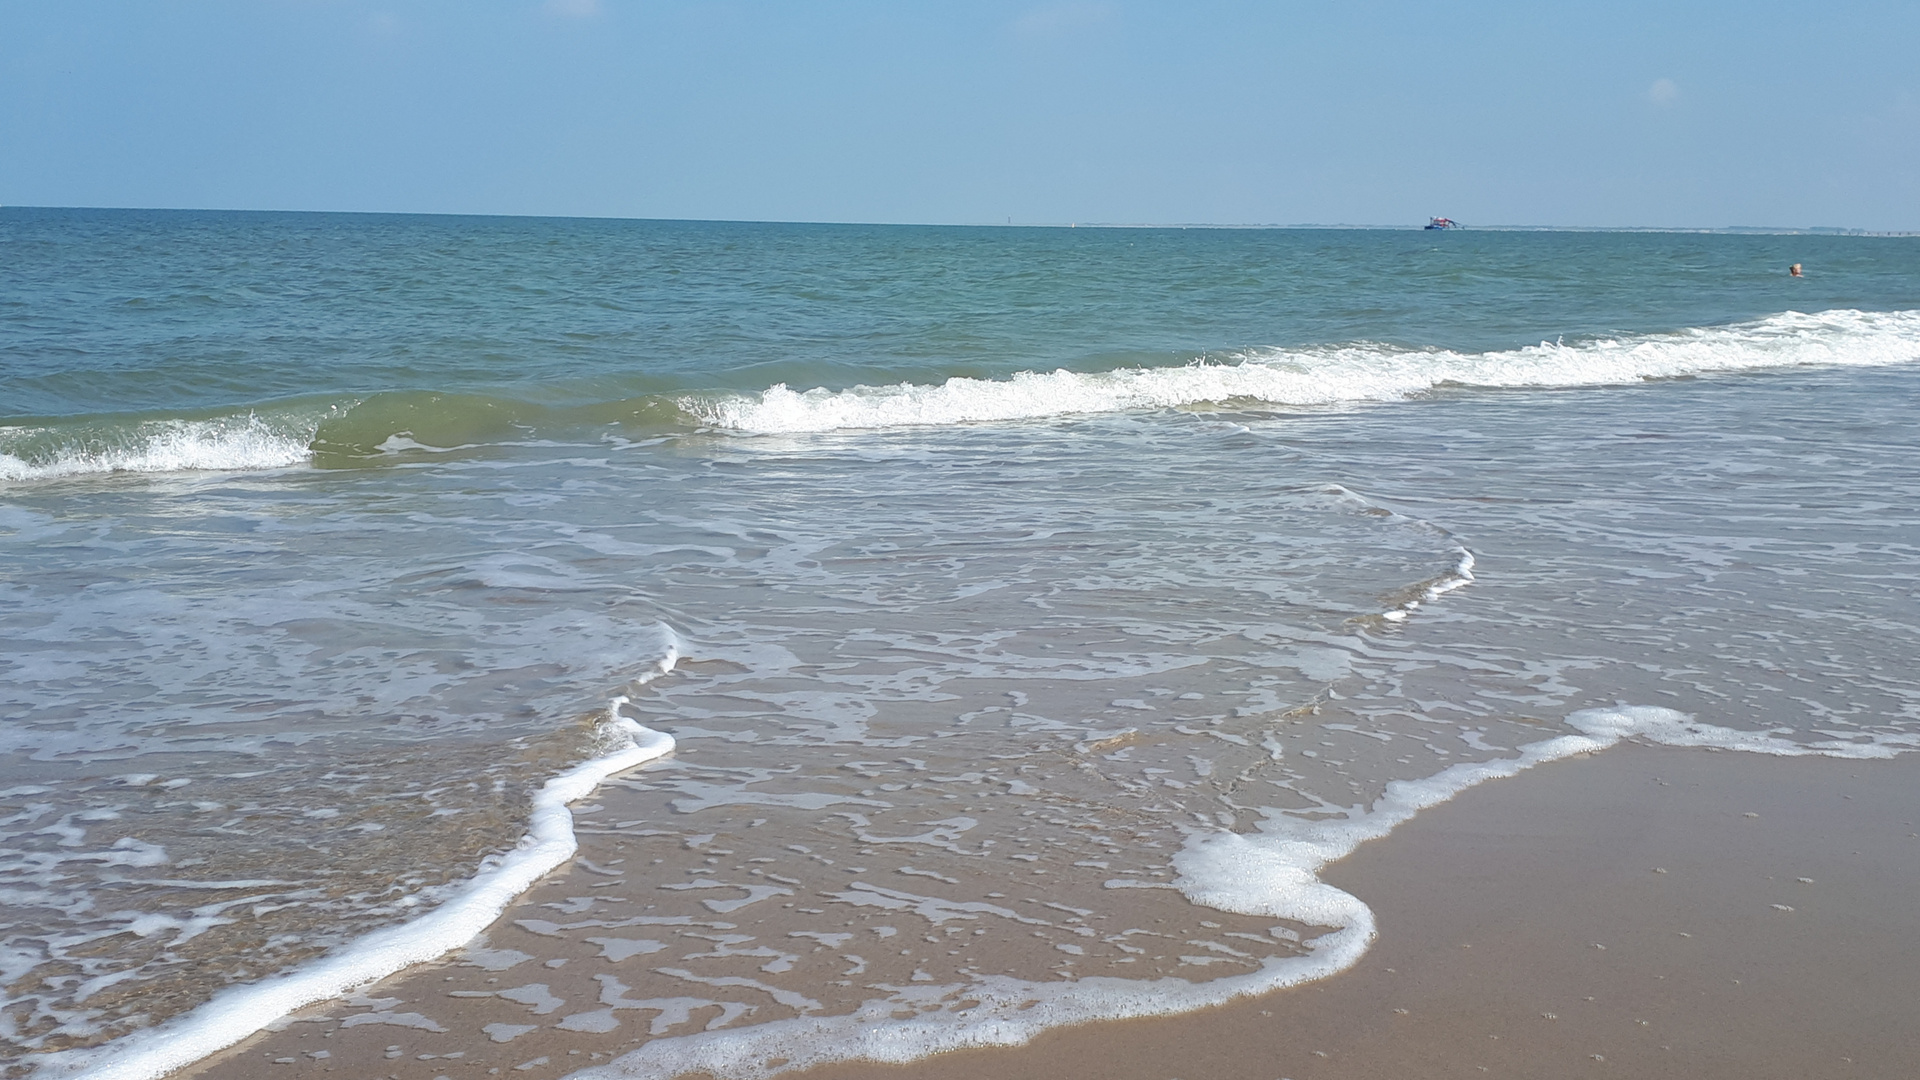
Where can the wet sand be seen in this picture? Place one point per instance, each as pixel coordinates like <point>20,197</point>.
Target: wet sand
<point>1643,912</point>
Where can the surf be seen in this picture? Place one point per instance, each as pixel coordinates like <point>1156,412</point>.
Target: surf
<point>1330,376</point>
<point>403,425</point>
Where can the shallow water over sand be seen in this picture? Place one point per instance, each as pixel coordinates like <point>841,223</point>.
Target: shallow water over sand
<point>956,669</point>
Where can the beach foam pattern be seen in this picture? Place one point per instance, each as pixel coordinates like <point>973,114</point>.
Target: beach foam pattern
<point>1272,873</point>
<point>480,630</point>
<point>241,1011</point>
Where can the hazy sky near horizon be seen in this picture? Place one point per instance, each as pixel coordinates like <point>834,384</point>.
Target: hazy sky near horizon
<point>1583,114</point>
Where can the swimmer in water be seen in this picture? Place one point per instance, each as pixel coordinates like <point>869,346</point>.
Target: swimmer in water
<point>1794,270</point>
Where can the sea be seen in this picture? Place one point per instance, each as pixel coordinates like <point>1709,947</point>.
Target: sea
<point>1020,592</point>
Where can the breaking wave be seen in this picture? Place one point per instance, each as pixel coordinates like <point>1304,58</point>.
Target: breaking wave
<point>1330,375</point>
<point>393,424</point>
<point>152,446</point>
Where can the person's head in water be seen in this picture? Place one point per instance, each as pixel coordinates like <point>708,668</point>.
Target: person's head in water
<point>1794,270</point>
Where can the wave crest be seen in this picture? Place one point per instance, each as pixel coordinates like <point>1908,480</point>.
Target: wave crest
<point>1329,375</point>
<point>394,425</point>
<point>223,444</point>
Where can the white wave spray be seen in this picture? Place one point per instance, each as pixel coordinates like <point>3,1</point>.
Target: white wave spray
<point>1330,375</point>
<point>224,444</point>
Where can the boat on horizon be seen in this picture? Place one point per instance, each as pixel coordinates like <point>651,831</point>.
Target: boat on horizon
<point>1442,223</point>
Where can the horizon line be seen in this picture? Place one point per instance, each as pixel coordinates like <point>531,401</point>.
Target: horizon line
<point>1756,230</point>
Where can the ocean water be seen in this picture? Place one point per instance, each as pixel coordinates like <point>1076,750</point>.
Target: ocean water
<point>992,585</point>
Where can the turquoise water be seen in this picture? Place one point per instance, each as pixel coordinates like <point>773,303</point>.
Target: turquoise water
<point>296,318</point>
<point>327,539</point>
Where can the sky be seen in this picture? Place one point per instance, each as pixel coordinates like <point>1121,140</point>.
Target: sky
<point>1623,114</point>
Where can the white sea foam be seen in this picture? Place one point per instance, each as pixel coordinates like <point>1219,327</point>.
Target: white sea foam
<point>227,444</point>
<point>1459,578</point>
<point>1331,375</point>
<point>1670,728</point>
<point>1274,872</point>
<point>237,1013</point>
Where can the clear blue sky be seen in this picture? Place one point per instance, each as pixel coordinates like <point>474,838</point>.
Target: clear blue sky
<point>1618,114</point>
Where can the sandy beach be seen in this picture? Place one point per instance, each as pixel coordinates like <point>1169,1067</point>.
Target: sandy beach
<point>1639,912</point>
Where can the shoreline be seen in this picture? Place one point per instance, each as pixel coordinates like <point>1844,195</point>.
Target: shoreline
<point>1516,870</point>
<point>1493,907</point>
